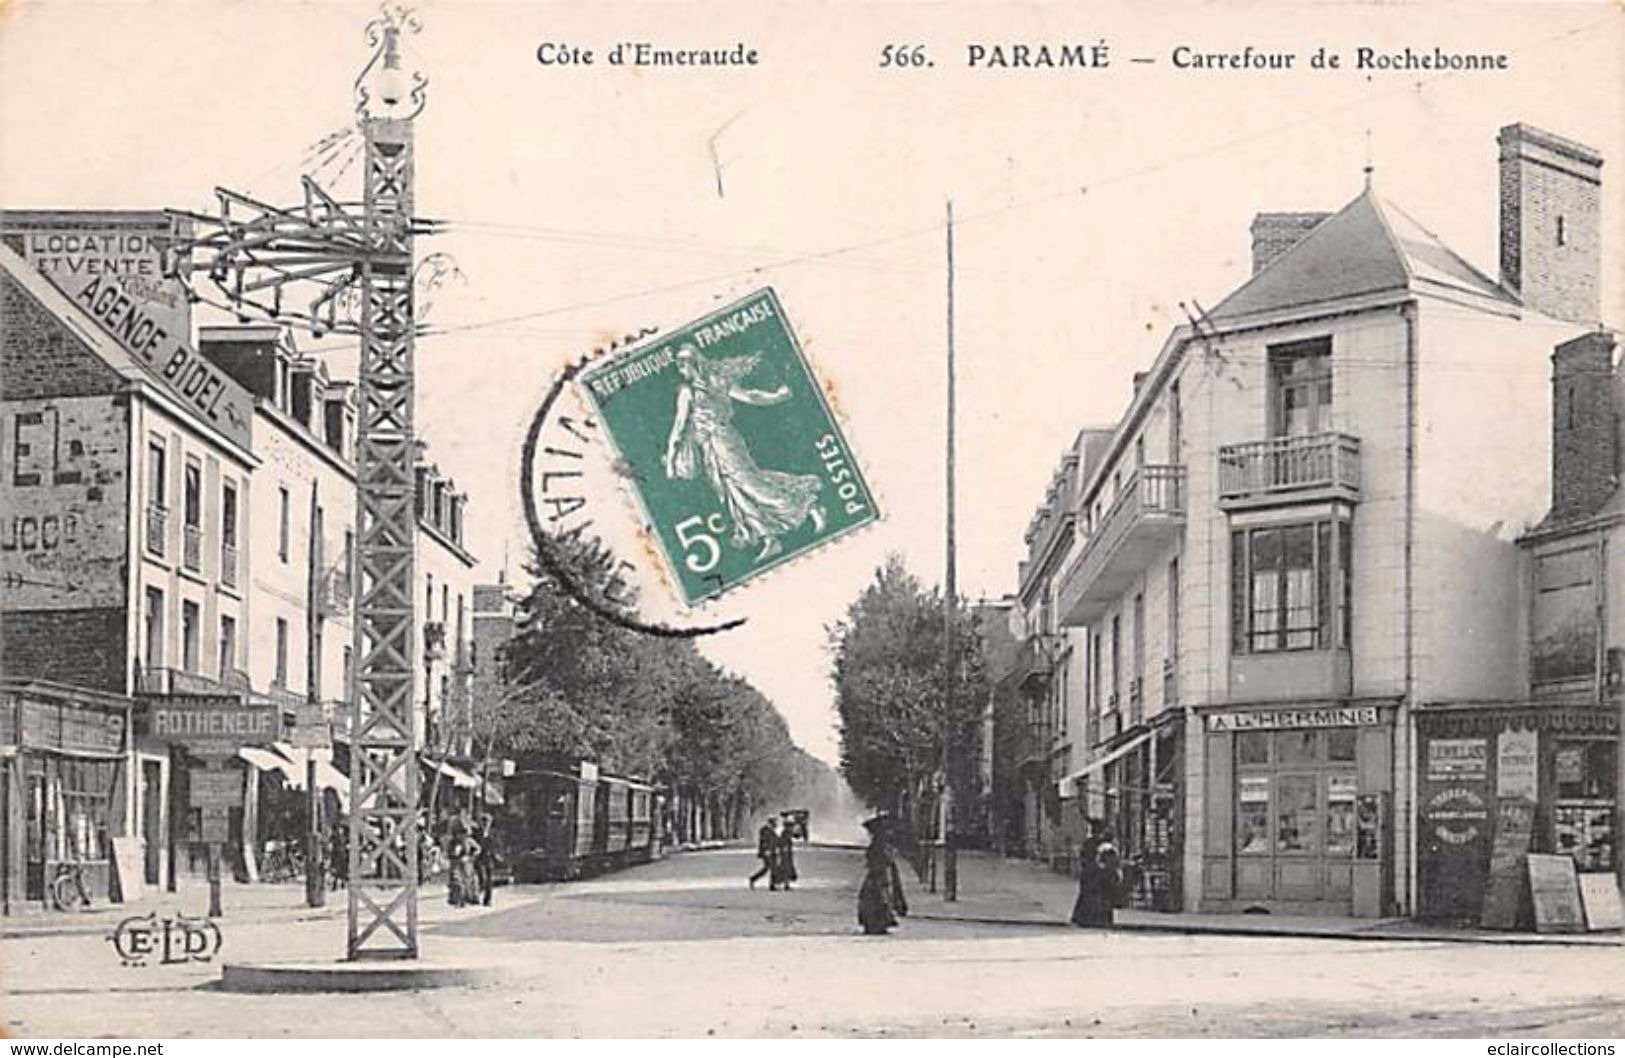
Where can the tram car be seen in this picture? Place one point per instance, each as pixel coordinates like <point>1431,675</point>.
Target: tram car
<point>561,823</point>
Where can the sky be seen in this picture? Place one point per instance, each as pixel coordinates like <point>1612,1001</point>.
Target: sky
<point>586,201</point>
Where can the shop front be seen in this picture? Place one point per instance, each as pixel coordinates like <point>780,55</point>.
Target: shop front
<point>1297,807</point>
<point>1476,765</point>
<point>62,796</point>
<point>1133,789</point>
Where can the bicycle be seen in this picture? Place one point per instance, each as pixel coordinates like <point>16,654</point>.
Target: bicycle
<point>283,862</point>
<point>68,889</point>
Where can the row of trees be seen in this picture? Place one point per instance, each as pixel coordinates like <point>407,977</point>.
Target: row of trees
<point>891,679</point>
<point>579,686</point>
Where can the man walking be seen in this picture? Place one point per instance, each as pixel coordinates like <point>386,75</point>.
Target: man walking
<point>767,849</point>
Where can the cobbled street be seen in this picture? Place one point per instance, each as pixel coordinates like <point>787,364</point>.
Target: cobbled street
<point>683,947</point>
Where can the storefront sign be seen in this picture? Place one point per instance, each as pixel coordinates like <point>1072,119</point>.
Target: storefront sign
<point>1555,889</point>
<point>1516,764</point>
<point>213,724</point>
<point>1599,894</point>
<point>1458,758</point>
<point>1276,719</point>
<point>71,728</point>
<point>1457,814</point>
<point>1570,764</point>
<point>1514,825</point>
<point>310,728</point>
<point>216,789</point>
<point>215,829</point>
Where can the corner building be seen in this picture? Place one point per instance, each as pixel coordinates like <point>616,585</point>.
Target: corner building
<point>1299,539</point>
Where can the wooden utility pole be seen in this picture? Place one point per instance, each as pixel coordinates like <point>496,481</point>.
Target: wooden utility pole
<point>950,611</point>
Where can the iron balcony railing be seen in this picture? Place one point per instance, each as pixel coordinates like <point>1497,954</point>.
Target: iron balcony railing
<point>1290,464</point>
<point>228,565</point>
<point>157,528</point>
<point>192,548</point>
<point>1149,506</point>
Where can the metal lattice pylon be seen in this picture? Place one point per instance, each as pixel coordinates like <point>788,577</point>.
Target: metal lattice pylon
<point>383,898</point>
<point>357,270</point>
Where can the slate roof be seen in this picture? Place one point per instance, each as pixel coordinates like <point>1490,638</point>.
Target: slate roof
<point>1368,247</point>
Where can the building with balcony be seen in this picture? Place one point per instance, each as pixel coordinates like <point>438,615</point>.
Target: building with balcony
<point>1300,539</point>
<point>179,521</point>
<point>127,461</point>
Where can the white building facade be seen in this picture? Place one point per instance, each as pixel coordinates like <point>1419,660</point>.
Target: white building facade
<point>1299,541</point>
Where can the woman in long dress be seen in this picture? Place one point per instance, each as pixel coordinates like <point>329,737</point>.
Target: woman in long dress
<point>762,504</point>
<point>880,899</point>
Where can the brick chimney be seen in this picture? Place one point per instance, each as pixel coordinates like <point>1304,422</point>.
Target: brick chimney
<point>1551,226</point>
<point>1585,425</point>
<point>1276,233</point>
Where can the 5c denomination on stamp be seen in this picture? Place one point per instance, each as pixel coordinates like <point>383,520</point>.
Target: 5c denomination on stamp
<point>730,446</point>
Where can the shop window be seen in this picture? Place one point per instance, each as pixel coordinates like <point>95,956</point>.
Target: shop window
<point>1342,744</point>
<point>1253,747</point>
<point>1295,829</point>
<point>1286,582</point>
<point>1253,814</point>
<point>1564,619</point>
<point>1340,822</point>
<point>1295,747</point>
<point>87,790</point>
<point>1583,815</point>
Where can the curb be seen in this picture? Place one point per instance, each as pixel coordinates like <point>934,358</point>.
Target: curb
<point>1579,940</point>
<point>307,977</point>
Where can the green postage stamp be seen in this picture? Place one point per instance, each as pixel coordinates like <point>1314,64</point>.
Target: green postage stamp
<point>730,445</point>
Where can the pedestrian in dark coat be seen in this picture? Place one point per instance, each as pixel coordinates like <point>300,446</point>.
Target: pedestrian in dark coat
<point>880,899</point>
<point>1093,906</point>
<point>767,848</point>
<point>784,856</point>
<point>484,859</point>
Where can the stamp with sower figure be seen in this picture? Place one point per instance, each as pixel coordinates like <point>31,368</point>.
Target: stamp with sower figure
<point>729,445</point>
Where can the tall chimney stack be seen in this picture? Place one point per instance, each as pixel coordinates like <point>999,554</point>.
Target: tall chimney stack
<point>1551,253</point>
<point>1585,425</point>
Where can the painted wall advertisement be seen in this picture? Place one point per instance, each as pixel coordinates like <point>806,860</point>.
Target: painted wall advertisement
<point>63,465</point>
<point>113,268</point>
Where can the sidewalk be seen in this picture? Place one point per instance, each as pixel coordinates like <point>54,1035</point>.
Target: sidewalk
<point>259,903</point>
<point>994,889</point>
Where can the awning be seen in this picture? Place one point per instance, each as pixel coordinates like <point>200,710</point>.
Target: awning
<point>1104,759</point>
<point>269,760</point>
<point>459,778</point>
<point>290,762</point>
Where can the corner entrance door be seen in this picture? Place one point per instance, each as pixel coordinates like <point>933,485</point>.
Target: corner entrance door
<point>1295,800</point>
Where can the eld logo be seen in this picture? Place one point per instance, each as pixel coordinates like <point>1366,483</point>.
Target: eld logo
<point>140,938</point>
